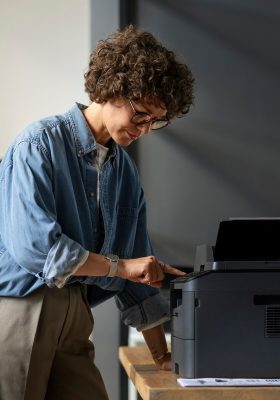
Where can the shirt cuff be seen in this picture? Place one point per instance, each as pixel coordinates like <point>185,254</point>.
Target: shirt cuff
<point>151,312</point>
<point>161,321</point>
<point>63,259</point>
<point>61,281</point>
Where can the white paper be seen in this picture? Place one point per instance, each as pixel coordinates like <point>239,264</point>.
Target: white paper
<point>228,382</point>
<point>252,218</point>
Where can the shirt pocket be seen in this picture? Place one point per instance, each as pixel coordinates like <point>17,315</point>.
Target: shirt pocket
<point>126,227</point>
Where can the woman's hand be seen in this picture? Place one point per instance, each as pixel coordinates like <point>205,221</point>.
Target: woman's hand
<point>148,270</point>
<point>164,363</point>
<point>156,342</point>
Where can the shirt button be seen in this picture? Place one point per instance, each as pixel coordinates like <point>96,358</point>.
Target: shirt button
<point>91,194</point>
<point>95,230</point>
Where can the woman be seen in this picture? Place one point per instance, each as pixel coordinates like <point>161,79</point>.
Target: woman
<point>73,223</point>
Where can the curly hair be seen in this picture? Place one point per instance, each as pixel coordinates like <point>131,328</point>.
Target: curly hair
<point>132,64</point>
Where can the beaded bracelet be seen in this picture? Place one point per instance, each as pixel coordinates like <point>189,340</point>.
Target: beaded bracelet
<point>162,356</point>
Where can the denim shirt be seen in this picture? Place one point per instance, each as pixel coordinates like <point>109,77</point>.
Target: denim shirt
<point>49,217</point>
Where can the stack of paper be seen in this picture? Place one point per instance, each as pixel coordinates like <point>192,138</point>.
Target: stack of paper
<point>228,382</point>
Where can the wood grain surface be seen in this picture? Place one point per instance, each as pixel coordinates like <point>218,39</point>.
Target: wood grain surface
<point>153,384</point>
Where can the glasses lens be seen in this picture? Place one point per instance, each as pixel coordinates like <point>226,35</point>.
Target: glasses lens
<point>159,124</point>
<point>141,119</point>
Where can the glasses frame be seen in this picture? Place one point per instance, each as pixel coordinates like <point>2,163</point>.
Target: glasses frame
<point>152,122</point>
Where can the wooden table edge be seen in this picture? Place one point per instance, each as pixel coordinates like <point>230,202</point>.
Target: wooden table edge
<point>185,393</point>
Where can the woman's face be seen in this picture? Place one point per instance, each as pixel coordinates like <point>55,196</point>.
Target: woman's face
<point>117,119</point>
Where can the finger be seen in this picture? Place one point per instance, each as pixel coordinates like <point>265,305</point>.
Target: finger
<point>174,271</point>
<point>158,275</point>
<point>146,280</point>
<point>166,366</point>
<point>162,265</point>
<point>159,272</point>
<point>154,272</point>
<point>147,277</point>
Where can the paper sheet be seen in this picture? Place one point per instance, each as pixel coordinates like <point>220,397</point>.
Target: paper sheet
<point>228,382</point>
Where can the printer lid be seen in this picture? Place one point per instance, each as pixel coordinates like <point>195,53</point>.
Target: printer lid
<point>248,239</point>
<point>242,244</point>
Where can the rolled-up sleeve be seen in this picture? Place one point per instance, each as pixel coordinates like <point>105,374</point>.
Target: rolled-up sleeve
<point>63,260</point>
<point>29,227</point>
<point>142,306</point>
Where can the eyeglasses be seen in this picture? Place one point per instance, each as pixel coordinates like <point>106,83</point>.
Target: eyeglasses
<point>142,119</point>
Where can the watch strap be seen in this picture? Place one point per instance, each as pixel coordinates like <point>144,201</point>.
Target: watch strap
<point>113,264</point>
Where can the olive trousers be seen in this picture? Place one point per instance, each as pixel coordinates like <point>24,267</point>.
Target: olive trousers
<point>45,351</point>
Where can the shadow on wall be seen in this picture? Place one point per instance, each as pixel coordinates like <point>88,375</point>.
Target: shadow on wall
<point>172,250</point>
<point>222,160</point>
<point>236,26</point>
<point>245,163</point>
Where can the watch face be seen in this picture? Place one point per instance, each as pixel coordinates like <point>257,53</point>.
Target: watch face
<point>112,257</point>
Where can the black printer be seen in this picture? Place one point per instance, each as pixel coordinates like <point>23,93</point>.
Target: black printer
<point>226,314</point>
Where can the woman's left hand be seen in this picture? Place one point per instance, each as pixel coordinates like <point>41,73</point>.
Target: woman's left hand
<point>156,342</point>
<point>165,363</point>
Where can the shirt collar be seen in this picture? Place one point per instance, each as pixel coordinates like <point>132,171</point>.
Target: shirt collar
<point>84,139</point>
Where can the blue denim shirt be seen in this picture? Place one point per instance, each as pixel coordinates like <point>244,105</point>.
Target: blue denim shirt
<point>49,216</point>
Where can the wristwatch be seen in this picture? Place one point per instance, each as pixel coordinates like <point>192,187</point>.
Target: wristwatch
<point>113,264</point>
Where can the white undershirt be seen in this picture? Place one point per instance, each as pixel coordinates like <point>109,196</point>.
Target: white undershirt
<point>101,154</point>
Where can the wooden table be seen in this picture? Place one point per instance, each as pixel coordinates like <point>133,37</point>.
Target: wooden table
<point>153,384</point>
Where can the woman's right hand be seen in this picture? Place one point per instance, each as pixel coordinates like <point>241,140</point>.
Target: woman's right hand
<point>148,270</point>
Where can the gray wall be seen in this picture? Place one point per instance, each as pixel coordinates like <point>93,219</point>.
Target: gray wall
<point>43,59</point>
<point>222,160</point>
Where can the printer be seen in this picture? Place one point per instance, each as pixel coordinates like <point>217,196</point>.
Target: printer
<point>226,314</point>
